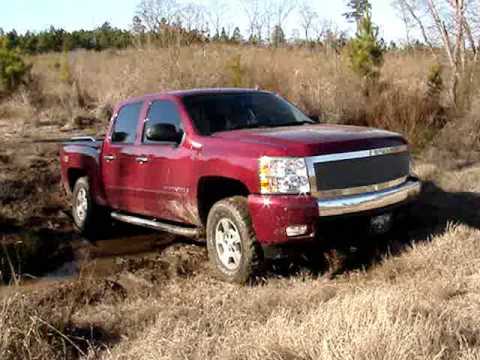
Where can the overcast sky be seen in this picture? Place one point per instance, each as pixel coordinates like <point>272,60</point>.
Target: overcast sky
<point>73,14</point>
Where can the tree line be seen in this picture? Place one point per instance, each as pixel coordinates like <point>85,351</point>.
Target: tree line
<point>171,23</point>
<point>169,34</point>
<point>57,39</point>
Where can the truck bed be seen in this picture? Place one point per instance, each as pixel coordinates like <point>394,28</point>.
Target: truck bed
<point>86,141</point>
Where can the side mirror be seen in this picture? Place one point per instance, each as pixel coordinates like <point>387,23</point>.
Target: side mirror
<point>119,137</point>
<point>163,133</point>
<point>315,118</point>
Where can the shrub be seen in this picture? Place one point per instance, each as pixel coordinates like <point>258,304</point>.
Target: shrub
<point>65,71</point>
<point>435,81</point>
<point>458,141</point>
<point>13,71</point>
<point>236,71</point>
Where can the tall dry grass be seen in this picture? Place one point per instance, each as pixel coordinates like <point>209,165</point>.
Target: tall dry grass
<point>320,82</point>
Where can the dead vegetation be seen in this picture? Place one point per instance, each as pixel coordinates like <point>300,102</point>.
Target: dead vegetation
<point>74,90</point>
<point>415,294</point>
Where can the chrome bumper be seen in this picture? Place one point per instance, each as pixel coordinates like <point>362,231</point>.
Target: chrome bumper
<point>370,201</point>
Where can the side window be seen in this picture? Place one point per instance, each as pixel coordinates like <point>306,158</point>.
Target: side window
<point>163,112</point>
<point>125,129</point>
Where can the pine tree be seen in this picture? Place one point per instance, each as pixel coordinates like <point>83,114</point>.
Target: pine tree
<point>216,37</point>
<point>11,41</point>
<point>236,36</point>
<point>13,71</point>
<point>29,43</point>
<point>104,36</point>
<point>278,36</point>
<point>224,37</point>
<point>254,39</point>
<point>358,10</point>
<point>366,50</point>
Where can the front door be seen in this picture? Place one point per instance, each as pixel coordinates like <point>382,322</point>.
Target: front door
<point>166,172</point>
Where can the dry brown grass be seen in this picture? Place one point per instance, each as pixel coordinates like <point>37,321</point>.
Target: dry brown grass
<point>424,304</point>
<point>320,82</point>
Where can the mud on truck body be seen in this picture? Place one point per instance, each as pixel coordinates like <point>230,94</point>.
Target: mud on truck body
<point>243,169</point>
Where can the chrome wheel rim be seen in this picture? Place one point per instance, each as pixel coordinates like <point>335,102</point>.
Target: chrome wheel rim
<point>81,204</point>
<point>228,244</point>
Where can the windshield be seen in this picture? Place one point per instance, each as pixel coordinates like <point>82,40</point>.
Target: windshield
<point>213,113</point>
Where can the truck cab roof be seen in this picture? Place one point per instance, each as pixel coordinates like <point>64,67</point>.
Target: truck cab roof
<point>191,92</point>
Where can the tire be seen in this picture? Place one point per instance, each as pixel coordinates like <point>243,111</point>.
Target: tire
<point>233,249</point>
<point>90,220</point>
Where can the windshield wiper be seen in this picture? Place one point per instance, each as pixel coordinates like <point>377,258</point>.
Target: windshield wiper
<point>249,126</point>
<point>295,123</point>
<point>267,125</point>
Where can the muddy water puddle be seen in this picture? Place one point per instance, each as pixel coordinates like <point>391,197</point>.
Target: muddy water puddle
<point>105,257</point>
<point>77,257</point>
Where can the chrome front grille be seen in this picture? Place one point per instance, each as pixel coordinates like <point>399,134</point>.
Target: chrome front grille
<point>358,172</point>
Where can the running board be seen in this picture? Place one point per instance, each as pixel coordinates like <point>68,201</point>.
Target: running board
<point>157,225</point>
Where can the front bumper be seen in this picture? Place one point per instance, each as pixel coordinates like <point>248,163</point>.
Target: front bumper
<point>272,215</point>
<point>370,201</point>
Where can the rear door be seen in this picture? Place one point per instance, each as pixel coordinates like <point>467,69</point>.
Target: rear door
<point>119,163</point>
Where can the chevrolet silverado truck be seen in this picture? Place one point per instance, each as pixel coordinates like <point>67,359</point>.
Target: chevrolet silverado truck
<point>243,169</point>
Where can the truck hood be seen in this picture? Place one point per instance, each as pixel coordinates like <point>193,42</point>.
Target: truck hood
<point>308,140</point>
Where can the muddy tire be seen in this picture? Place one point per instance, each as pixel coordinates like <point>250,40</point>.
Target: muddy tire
<point>90,220</point>
<point>233,249</point>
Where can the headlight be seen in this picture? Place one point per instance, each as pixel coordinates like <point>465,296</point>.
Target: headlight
<point>283,176</point>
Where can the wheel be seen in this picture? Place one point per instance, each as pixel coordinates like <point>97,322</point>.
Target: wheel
<point>90,219</point>
<point>233,249</point>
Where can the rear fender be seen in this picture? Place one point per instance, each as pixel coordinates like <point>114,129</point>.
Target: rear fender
<point>79,161</point>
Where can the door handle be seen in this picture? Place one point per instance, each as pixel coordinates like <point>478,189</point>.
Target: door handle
<point>109,158</point>
<point>142,159</point>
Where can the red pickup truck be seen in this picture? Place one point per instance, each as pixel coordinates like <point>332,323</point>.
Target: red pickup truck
<point>244,169</point>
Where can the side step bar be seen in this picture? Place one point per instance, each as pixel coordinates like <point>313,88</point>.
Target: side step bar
<point>157,225</point>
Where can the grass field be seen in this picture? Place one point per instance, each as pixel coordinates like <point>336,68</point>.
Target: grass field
<point>413,295</point>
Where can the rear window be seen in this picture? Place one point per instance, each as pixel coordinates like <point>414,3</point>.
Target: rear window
<point>125,128</point>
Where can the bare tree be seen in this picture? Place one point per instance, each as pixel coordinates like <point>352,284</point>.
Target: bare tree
<point>279,11</point>
<point>307,17</point>
<point>193,17</point>
<point>404,14</point>
<point>411,15</point>
<point>268,19</point>
<point>282,10</point>
<point>154,14</point>
<point>254,9</point>
<point>217,13</point>
<point>444,23</point>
